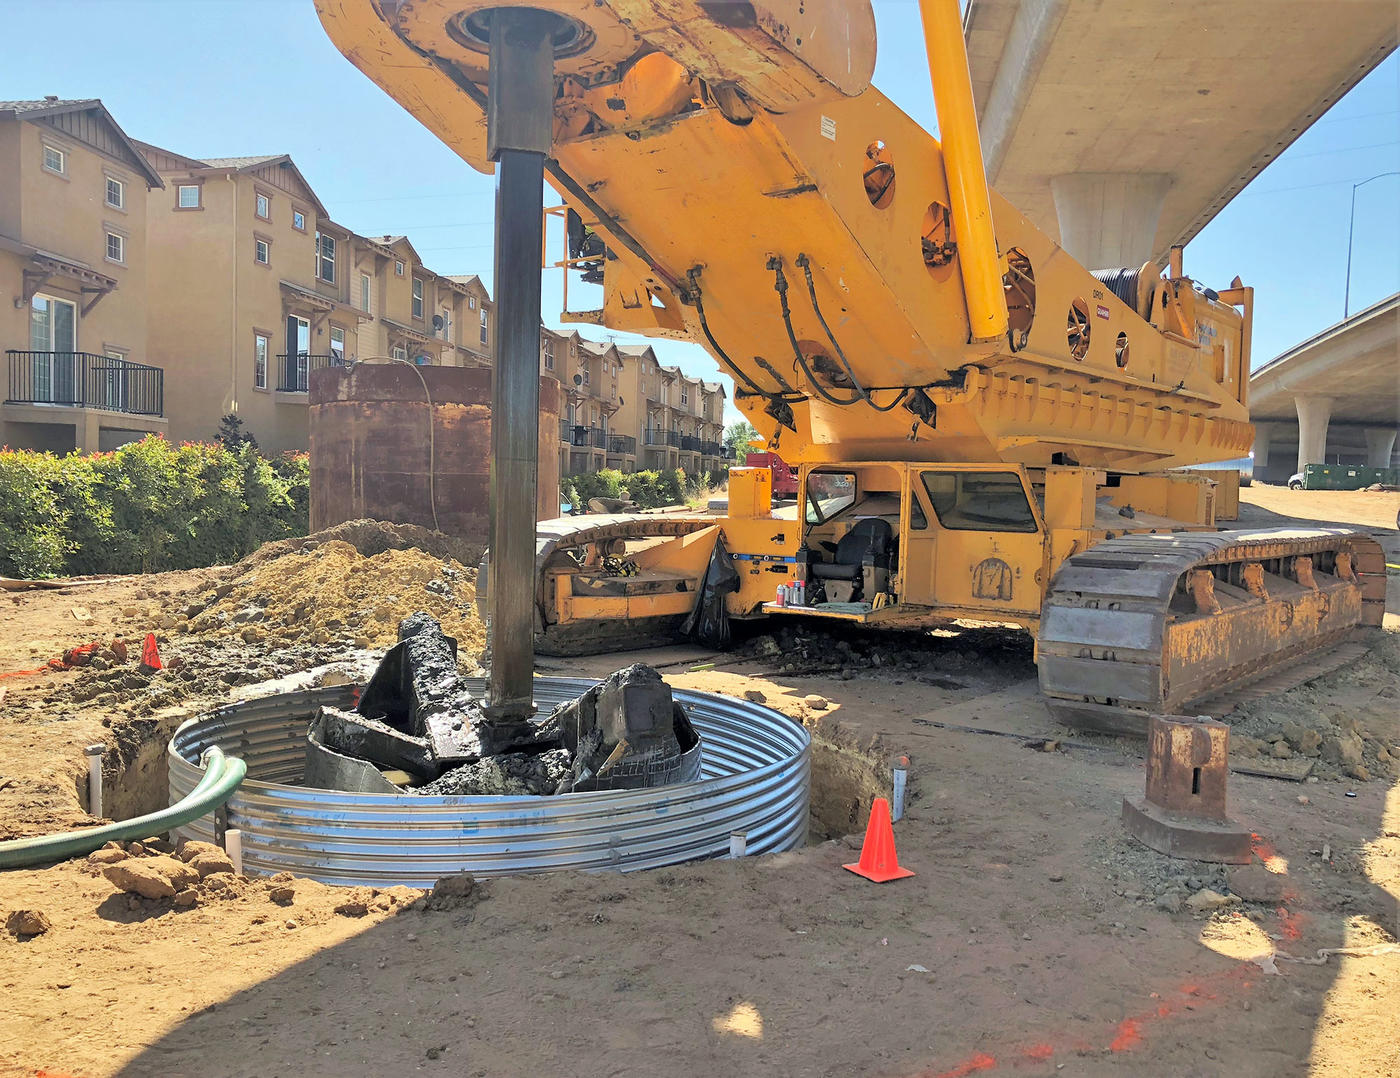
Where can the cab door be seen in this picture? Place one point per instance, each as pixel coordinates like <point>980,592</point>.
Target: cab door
<point>984,548</point>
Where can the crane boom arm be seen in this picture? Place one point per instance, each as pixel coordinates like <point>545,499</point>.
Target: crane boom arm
<point>757,195</point>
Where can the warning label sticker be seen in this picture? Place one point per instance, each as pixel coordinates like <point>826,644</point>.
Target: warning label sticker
<point>828,128</point>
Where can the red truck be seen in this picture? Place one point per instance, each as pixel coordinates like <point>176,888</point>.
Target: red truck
<point>784,478</point>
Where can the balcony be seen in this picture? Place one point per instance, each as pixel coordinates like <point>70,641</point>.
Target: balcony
<point>690,443</point>
<point>597,437</point>
<point>622,444</point>
<point>654,436</point>
<point>712,449</point>
<point>294,369</point>
<point>566,432</point>
<point>85,380</point>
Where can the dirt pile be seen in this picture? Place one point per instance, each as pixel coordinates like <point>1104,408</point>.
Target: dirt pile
<point>1348,722</point>
<point>331,593</point>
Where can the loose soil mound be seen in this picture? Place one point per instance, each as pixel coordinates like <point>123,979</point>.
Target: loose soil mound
<point>331,591</point>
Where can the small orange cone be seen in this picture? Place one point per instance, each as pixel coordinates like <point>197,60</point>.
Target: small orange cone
<point>877,857</point>
<point>150,657</point>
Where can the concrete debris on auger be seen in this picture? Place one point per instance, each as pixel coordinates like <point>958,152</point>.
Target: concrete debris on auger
<point>417,728</point>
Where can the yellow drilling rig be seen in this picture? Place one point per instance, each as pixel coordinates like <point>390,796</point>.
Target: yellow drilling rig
<point>985,429</point>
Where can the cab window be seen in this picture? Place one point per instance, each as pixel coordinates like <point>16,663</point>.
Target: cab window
<point>828,493</point>
<point>979,501</point>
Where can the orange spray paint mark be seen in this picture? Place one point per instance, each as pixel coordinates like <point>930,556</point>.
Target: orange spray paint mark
<point>1129,1036</point>
<point>1040,1052</point>
<point>975,1064</point>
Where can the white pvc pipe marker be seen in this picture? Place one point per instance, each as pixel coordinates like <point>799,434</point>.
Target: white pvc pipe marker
<point>94,758</point>
<point>901,780</point>
<point>233,846</point>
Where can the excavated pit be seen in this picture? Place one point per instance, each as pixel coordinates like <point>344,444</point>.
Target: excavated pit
<point>418,728</point>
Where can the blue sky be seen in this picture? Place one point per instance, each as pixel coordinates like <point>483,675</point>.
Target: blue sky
<point>219,78</point>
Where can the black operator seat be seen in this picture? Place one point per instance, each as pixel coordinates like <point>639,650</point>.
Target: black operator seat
<point>871,536</point>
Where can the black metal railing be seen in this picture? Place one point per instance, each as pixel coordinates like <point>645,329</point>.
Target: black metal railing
<point>597,437</point>
<point>85,380</point>
<point>712,449</point>
<point>690,443</point>
<point>621,443</point>
<point>294,369</point>
<point>655,436</point>
<point>566,432</point>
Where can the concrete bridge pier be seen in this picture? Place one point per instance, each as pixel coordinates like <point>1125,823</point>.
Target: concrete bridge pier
<point>1314,413</point>
<point>1380,444</point>
<point>1109,219</point>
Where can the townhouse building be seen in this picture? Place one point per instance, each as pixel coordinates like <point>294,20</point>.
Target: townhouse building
<point>626,410</point>
<point>154,291</point>
<point>73,261</point>
<point>248,292</point>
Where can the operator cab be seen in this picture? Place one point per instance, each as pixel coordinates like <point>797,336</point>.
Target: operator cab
<point>882,542</point>
<point>850,537</point>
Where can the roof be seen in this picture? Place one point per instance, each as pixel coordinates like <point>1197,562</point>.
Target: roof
<point>470,279</point>
<point>184,163</point>
<point>53,107</point>
<point>240,163</point>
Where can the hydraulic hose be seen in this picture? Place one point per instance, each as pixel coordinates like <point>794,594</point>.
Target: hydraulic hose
<point>222,775</point>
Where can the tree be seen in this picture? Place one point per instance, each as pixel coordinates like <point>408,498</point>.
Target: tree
<point>738,437</point>
<point>231,434</point>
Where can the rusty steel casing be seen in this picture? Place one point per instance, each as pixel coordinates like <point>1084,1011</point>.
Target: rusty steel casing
<point>1184,812</point>
<point>370,445</point>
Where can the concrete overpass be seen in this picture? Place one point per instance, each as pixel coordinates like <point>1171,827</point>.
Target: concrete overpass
<point>1333,399</point>
<point>1122,127</point>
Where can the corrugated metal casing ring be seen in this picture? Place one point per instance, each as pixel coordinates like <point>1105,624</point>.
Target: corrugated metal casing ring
<point>756,778</point>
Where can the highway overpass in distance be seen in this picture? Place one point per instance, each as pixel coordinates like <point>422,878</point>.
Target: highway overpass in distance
<point>1122,127</point>
<point>1332,399</point>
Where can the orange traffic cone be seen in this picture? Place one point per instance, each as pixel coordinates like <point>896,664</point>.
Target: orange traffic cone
<point>877,857</point>
<point>150,657</point>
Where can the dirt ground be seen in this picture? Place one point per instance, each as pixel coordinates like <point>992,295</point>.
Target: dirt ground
<point>1035,939</point>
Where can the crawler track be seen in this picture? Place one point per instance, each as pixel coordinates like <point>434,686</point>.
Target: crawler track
<point>1121,635</point>
<point>554,540</point>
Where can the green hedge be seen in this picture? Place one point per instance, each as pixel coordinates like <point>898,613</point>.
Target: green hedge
<point>647,489</point>
<point>147,507</point>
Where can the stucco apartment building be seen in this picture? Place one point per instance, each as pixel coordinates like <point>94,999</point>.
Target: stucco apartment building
<point>624,409</point>
<point>282,290</point>
<point>159,292</point>
<point>73,263</point>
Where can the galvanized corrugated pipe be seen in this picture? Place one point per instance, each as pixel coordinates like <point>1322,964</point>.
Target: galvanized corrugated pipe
<point>755,777</point>
<point>222,775</point>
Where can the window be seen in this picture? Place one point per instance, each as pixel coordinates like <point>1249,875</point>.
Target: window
<point>55,160</point>
<point>828,493</point>
<point>188,196</point>
<point>116,248</point>
<point>262,206</point>
<point>471,303</point>
<point>299,220</point>
<point>261,346</point>
<point>446,332</point>
<point>418,297</point>
<point>364,291</point>
<point>337,346</point>
<point>262,252</point>
<point>484,333</point>
<point>116,193</point>
<point>587,374</point>
<point>399,352</point>
<point>979,501</point>
<point>548,345</point>
<point>325,258</point>
<point>398,268</point>
<point>685,395</point>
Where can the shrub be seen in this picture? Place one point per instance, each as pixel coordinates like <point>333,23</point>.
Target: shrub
<point>147,507</point>
<point>647,489</point>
